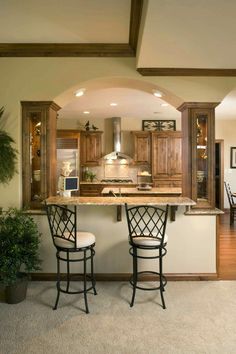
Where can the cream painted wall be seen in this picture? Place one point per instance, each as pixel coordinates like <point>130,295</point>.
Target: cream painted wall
<point>226,130</point>
<point>185,239</point>
<point>53,79</point>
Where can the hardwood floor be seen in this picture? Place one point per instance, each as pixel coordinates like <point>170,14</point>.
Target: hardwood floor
<point>227,248</point>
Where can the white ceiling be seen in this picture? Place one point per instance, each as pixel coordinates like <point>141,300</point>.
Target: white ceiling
<point>130,103</point>
<point>188,34</point>
<point>173,33</point>
<point>60,21</point>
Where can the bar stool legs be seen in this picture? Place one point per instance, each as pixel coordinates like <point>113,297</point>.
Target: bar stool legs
<point>58,282</point>
<point>135,275</point>
<point>92,274</point>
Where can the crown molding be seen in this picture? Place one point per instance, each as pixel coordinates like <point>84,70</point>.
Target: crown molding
<point>80,49</point>
<point>185,72</point>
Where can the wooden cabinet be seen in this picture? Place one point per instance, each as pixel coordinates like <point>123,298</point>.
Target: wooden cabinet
<point>167,159</point>
<point>91,190</point>
<point>198,125</point>
<point>38,151</point>
<point>141,147</point>
<point>90,148</point>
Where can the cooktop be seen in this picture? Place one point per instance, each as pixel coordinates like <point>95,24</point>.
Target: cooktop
<point>117,180</point>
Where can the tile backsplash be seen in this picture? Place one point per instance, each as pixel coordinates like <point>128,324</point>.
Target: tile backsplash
<point>117,170</point>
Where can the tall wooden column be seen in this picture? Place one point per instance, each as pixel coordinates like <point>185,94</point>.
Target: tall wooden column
<point>198,145</point>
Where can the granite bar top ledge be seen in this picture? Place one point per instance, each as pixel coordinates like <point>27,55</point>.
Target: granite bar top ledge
<point>173,201</point>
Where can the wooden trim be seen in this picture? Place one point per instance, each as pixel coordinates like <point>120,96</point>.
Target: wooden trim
<point>201,105</point>
<point>221,143</point>
<point>66,50</point>
<point>135,20</point>
<point>81,49</point>
<point>217,244</point>
<point>186,72</point>
<point>126,276</point>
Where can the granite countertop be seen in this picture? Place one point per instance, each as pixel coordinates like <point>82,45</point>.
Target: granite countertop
<point>158,191</point>
<point>174,201</point>
<point>108,183</point>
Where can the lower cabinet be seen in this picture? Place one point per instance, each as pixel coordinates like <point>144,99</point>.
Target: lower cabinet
<point>167,183</point>
<point>91,190</point>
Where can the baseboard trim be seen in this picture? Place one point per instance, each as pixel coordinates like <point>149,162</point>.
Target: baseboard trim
<point>126,276</point>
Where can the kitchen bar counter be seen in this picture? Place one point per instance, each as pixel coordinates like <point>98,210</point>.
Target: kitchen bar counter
<point>172,201</point>
<point>186,255</point>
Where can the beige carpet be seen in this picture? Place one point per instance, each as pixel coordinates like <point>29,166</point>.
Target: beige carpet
<point>200,318</point>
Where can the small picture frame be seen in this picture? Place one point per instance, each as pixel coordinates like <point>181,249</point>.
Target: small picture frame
<point>233,157</point>
<point>159,125</point>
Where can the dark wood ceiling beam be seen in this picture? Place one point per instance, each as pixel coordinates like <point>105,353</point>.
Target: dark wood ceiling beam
<point>135,20</point>
<point>80,49</point>
<point>66,50</point>
<point>185,72</point>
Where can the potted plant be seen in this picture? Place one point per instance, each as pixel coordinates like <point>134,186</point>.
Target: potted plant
<point>8,155</point>
<point>19,252</point>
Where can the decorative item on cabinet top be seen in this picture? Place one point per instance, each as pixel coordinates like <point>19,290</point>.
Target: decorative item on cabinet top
<point>159,125</point>
<point>233,157</point>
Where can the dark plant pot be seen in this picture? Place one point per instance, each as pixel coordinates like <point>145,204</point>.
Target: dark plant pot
<point>16,292</point>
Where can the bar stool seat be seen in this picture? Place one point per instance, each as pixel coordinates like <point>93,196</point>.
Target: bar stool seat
<point>83,239</point>
<point>148,241</point>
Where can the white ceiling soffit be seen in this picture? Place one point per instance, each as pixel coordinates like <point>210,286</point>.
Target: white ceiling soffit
<point>71,21</point>
<point>188,34</point>
<point>227,108</point>
<point>130,103</point>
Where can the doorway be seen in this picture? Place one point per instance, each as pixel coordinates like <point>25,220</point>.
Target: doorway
<point>219,174</point>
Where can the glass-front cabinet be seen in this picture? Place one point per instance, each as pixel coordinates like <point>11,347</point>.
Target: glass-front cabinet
<point>198,126</point>
<point>38,151</point>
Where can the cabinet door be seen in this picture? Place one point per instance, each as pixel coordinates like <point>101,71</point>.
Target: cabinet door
<point>91,148</point>
<point>175,155</point>
<point>160,168</point>
<point>91,190</point>
<point>38,151</point>
<point>142,147</point>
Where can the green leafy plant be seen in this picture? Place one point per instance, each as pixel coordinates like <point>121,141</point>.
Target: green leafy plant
<point>89,176</point>
<point>19,245</point>
<point>8,155</point>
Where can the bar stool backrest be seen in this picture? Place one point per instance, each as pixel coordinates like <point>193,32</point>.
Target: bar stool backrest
<point>229,194</point>
<point>62,222</point>
<point>147,221</point>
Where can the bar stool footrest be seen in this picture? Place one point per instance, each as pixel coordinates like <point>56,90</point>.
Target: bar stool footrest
<point>164,280</point>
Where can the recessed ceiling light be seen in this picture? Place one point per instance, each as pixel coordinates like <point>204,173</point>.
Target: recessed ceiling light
<point>80,92</point>
<point>113,104</point>
<point>86,112</point>
<point>157,93</point>
<point>164,104</point>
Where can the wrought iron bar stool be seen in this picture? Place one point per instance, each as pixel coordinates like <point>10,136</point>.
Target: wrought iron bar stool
<point>232,203</point>
<point>147,226</point>
<point>68,242</point>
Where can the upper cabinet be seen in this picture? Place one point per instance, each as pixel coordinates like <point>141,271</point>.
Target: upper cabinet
<point>38,151</point>
<point>198,124</point>
<point>90,148</point>
<point>141,147</point>
<point>167,159</point>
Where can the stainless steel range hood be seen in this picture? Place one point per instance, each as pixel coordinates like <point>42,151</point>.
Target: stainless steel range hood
<point>116,154</point>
